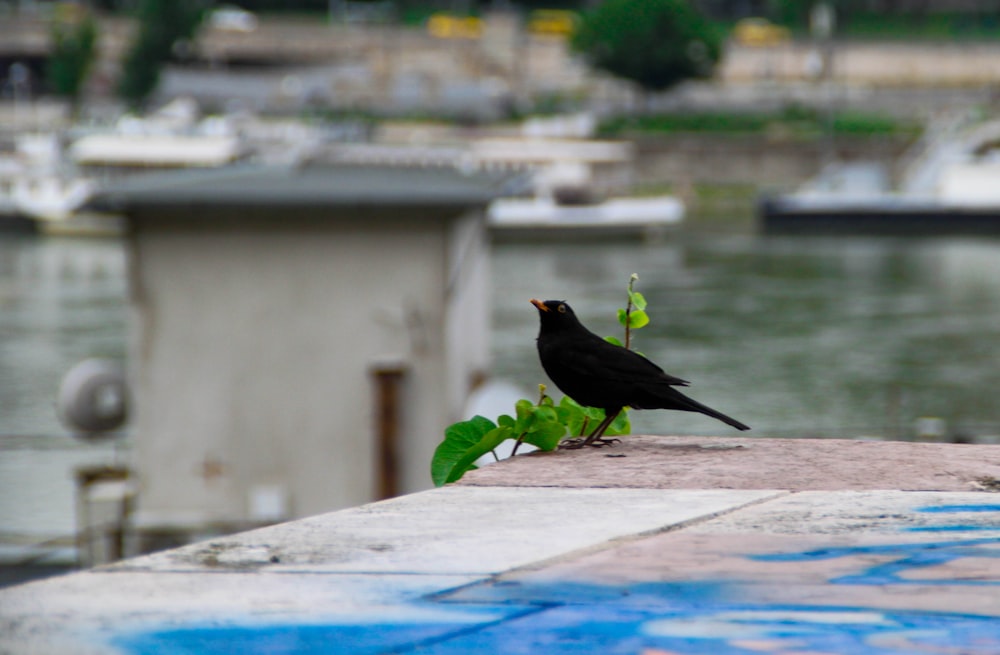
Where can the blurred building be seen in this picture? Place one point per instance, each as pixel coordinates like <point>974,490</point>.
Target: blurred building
<point>301,336</point>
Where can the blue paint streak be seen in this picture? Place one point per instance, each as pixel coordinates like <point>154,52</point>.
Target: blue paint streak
<point>687,594</point>
<point>612,620</point>
<point>953,528</point>
<point>280,639</point>
<point>959,508</point>
<point>709,617</point>
<point>909,556</point>
<point>336,637</point>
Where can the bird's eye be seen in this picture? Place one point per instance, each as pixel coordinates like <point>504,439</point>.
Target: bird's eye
<point>561,309</point>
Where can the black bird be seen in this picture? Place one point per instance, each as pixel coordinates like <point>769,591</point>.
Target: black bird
<point>596,373</point>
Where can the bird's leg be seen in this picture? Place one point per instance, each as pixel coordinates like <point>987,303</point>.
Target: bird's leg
<point>594,439</point>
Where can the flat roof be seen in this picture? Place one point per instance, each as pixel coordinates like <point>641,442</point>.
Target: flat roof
<point>245,186</point>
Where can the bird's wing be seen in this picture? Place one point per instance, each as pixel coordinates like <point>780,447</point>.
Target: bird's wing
<point>599,359</point>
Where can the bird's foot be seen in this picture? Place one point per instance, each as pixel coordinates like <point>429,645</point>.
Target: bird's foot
<point>580,442</point>
<point>571,444</point>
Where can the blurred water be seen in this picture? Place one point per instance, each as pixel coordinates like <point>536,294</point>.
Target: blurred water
<point>61,301</point>
<point>797,337</point>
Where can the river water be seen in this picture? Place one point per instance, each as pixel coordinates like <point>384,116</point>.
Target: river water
<point>843,337</point>
<point>61,301</point>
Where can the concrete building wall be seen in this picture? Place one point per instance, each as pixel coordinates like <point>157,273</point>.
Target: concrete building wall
<point>254,346</point>
<point>760,160</point>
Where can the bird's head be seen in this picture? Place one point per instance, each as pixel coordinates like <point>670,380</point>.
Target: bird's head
<point>555,314</point>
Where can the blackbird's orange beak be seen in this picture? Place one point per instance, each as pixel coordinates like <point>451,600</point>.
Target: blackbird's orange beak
<point>539,304</point>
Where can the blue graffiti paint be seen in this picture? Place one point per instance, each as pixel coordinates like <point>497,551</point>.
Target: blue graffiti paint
<point>963,527</point>
<point>959,527</point>
<point>726,630</point>
<point>959,508</point>
<point>279,639</point>
<point>613,620</point>
<point>687,594</point>
<point>907,557</point>
<point>407,627</point>
<point>717,617</point>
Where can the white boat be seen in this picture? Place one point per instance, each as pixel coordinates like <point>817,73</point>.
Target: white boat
<point>41,192</point>
<point>950,187</point>
<point>36,199</point>
<point>624,216</point>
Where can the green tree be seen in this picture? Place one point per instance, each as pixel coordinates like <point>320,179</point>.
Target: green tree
<point>74,48</point>
<point>163,26</point>
<point>655,43</point>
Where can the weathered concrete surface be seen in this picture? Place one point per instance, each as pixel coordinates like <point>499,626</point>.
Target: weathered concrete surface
<point>816,572</point>
<point>442,532</point>
<point>656,462</point>
<point>571,568</point>
<point>368,564</point>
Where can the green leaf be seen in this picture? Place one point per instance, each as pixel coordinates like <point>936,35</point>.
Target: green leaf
<point>638,319</point>
<point>578,418</point>
<point>524,409</point>
<point>638,300</point>
<point>489,441</point>
<point>571,415</point>
<point>543,415</point>
<point>614,340</point>
<point>505,421</point>
<point>546,435</point>
<point>621,425</point>
<point>459,438</point>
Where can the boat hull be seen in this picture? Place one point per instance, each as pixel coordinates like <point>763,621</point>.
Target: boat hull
<point>877,218</point>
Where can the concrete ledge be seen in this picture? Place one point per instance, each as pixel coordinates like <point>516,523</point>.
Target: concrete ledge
<point>542,569</point>
<point>657,462</point>
<point>465,531</point>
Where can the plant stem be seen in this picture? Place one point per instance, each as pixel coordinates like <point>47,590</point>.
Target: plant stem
<point>517,444</point>
<point>628,330</point>
<point>628,313</point>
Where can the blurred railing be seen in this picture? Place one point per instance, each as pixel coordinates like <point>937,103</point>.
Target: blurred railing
<point>49,515</point>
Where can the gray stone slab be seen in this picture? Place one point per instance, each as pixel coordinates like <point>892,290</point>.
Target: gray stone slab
<point>454,530</point>
<point>87,612</point>
<point>848,571</point>
<point>378,562</point>
<point>852,513</point>
<point>924,551</point>
<point>662,462</point>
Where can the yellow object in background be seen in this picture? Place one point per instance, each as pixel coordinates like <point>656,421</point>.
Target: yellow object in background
<point>556,22</point>
<point>446,26</point>
<point>759,32</point>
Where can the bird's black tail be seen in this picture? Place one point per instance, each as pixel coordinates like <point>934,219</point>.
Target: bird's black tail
<point>728,420</point>
<point>691,405</point>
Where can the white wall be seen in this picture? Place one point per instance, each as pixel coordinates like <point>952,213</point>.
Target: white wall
<point>254,344</point>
